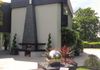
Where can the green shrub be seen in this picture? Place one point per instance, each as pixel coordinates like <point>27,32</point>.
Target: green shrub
<point>6,37</point>
<point>49,42</point>
<point>92,62</point>
<point>14,47</point>
<point>14,41</point>
<point>69,36</point>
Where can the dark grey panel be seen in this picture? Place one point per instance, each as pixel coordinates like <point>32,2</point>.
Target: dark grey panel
<point>29,31</point>
<point>64,18</point>
<point>23,3</point>
<point>64,21</point>
<point>19,1</point>
<point>19,4</point>
<point>6,18</point>
<point>42,2</point>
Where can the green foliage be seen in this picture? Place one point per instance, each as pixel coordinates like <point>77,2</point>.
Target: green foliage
<point>49,42</point>
<point>92,62</point>
<point>1,13</point>
<point>14,41</point>
<point>82,68</point>
<point>86,23</point>
<point>69,36</point>
<point>79,44</point>
<point>91,44</point>
<point>14,47</point>
<point>78,48</point>
<point>6,38</point>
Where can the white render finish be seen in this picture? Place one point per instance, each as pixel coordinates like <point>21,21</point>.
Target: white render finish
<point>70,7</point>
<point>17,24</point>
<point>48,20</point>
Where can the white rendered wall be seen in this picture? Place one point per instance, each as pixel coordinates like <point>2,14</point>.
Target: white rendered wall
<point>17,23</point>
<point>70,6</point>
<point>48,20</point>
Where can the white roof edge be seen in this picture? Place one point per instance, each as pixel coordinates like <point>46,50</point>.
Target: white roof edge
<point>70,6</point>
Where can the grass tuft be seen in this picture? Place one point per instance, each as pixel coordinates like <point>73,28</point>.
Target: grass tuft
<point>82,68</point>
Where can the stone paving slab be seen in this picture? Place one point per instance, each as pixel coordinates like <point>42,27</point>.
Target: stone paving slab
<point>37,56</point>
<point>11,64</point>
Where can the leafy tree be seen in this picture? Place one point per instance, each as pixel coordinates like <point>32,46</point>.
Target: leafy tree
<point>1,13</point>
<point>1,2</point>
<point>86,23</point>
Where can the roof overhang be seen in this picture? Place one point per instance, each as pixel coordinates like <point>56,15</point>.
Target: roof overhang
<point>23,3</point>
<point>69,7</point>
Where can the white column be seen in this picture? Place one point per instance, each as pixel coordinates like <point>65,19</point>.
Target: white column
<point>17,23</point>
<point>48,20</point>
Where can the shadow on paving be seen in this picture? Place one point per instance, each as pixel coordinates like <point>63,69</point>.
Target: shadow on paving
<point>3,52</point>
<point>35,56</point>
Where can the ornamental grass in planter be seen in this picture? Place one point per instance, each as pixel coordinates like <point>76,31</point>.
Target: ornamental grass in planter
<point>92,62</point>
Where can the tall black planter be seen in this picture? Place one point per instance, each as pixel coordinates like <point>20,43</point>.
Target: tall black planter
<point>76,52</point>
<point>14,51</point>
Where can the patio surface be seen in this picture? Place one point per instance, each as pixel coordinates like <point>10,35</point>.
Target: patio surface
<point>37,57</point>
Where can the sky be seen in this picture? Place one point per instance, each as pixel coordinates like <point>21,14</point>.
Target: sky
<point>94,4</point>
<point>6,0</point>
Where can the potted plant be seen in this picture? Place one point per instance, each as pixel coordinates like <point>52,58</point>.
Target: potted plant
<point>6,40</point>
<point>49,43</point>
<point>14,48</point>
